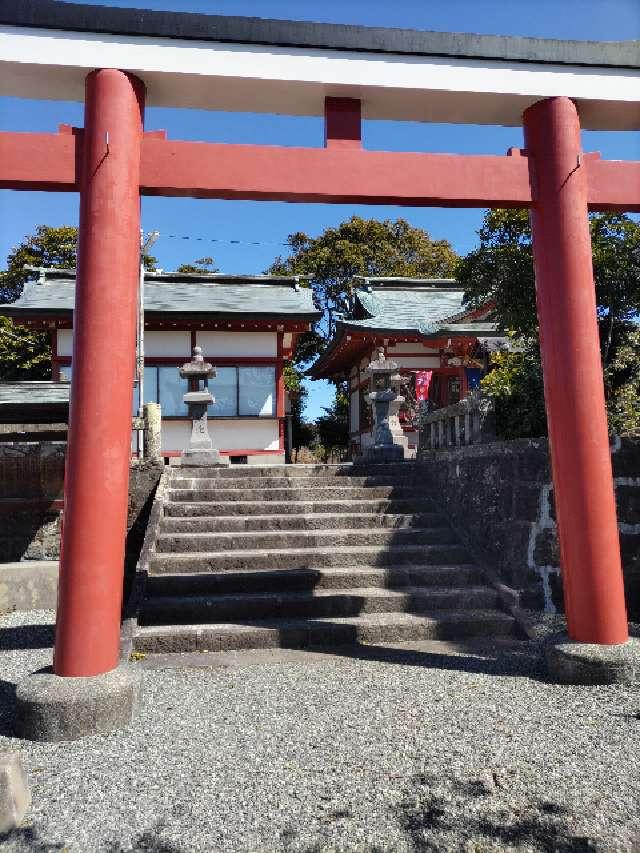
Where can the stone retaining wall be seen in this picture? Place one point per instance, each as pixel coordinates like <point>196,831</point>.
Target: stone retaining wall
<point>31,487</point>
<point>499,497</point>
<point>31,492</point>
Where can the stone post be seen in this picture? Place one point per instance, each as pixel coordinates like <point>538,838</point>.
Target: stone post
<point>152,431</point>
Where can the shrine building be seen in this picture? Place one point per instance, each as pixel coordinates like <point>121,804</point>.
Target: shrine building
<point>246,325</point>
<point>439,345</point>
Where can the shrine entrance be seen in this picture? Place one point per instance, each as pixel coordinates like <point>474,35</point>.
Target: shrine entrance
<point>245,64</point>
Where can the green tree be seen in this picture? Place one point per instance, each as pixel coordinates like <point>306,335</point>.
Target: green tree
<point>201,265</point>
<point>501,269</point>
<point>332,427</point>
<point>622,378</point>
<point>302,432</point>
<point>24,353</point>
<point>360,247</point>
<point>48,247</point>
<point>515,383</point>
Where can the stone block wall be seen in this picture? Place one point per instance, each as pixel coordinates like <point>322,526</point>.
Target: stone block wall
<point>499,497</point>
<point>31,500</point>
<point>31,491</point>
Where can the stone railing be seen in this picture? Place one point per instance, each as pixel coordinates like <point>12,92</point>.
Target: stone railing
<point>471,421</point>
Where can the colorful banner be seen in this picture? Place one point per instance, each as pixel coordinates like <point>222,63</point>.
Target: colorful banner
<point>423,380</point>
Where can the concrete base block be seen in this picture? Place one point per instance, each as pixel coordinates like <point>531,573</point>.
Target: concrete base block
<point>569,662</point>
<point>52,708</point>
<point>15,797</point>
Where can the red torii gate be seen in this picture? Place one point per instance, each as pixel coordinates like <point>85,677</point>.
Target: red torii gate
<point>112,161</point>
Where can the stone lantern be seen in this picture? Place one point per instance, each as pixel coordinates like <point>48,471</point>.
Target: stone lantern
<point>200,453</point>
<point>389,441</point>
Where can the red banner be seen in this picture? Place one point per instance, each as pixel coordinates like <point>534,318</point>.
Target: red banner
<point>423,380</point>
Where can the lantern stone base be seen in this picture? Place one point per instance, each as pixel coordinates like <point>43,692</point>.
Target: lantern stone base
<point>203,459</point>
<point>50,707</point>
<point>385,453</point>
<point>569,662</point>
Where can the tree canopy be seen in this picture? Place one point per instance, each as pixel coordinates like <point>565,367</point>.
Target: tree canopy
<point>361,247</point>
<point>48,247</point>
<point>333,429</point>
<point>501,269</point>
<point>201,265</point>
<point>26,354</point>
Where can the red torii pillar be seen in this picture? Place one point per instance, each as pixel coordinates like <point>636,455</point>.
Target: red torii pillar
<point>104,336</point>
<point>573,383</point>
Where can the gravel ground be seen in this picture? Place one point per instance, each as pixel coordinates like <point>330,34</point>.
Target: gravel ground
<point>417,752</point>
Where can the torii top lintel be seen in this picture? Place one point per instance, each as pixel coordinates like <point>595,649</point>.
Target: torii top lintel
<point>47,48</point>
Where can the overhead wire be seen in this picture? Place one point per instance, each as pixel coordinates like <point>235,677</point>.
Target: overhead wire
<point>223,240</point>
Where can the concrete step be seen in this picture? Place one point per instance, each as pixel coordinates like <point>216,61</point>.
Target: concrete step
<point>413,480</point>
<point>310,521</point>
<point>191,509</point>
<point>307,558</point>
<point>301,471</point>
<point>170,610</point>
<point>301,633</point>
<point>298,493</point>
<point>182,542</point>
<point>297,580</point>
<point>175,543</point>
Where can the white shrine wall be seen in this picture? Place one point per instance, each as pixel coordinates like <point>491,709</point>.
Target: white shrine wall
<point>257,437</point>
<point>235,434</point>
<point>167,343</point>
<point>242,344</point>
<point>171,342</point>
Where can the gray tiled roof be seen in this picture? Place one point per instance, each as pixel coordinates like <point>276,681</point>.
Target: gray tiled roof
<point>33,393</point>
<point>258,296</point>
<point>418,309</point>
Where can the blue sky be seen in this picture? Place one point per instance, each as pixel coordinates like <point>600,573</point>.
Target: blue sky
<point>270,222</point>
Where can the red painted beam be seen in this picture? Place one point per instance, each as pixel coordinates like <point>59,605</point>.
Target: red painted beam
<point>51,161</point>
<point>40,161</point>
<point>334,175</point>
<point>614,185</point>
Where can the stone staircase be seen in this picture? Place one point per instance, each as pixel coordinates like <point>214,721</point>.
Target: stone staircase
<point>300,555</point>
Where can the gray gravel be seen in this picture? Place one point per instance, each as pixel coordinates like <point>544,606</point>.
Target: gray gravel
<point>418,752</point>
